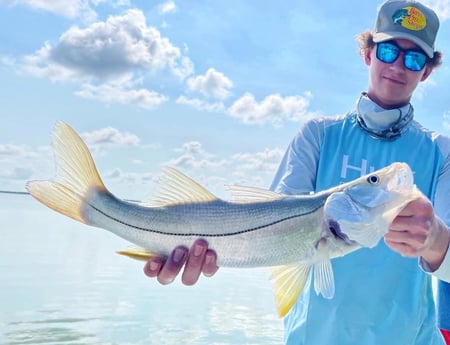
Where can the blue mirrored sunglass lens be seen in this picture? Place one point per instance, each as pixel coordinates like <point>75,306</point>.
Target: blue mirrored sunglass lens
<point>415,61</point>
<point>387,53</point>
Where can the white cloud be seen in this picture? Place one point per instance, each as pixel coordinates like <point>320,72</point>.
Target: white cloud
<point>67,8</point>
<point>257,168</point>
<point>16,173</point>
<point>442,8</point>
<point>120,46</point>
<point>446,121</point>
<point>110,135</point>
<point>129,177</point>
<point>424,88</point>
<point>167,7</point>
<point>214,172</point>
<point>71,9</point>
<point>194,156</point>
<point>110,93</point>
<point>113,3</point>
<point>264,161</point>
<point>200,104</point>
<point>12,150</point>
<point>22,152</point>
<point>20,162</point>
<point>213,84</point>
<point>245,168</point>
<point>272,109</point>
<point>40,64</point>
<point>192,147</point>
<point>110,58</point>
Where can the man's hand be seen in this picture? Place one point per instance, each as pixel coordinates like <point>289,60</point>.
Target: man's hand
<point>199,259</point>
<point>417,231</point>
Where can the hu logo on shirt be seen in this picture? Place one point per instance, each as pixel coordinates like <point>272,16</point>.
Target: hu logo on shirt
<point>363,168</point>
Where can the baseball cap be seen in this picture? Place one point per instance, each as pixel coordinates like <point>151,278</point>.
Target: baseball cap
<point>409,20</point>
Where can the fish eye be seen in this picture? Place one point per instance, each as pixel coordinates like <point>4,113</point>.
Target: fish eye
<point>373,179</point>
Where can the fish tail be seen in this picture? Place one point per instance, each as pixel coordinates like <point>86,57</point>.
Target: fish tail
<point>76,175</point>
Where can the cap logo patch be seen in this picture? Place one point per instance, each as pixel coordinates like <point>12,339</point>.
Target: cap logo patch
<point>410,18</point>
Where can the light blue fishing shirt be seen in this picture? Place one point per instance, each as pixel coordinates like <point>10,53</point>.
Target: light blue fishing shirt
<point>381,297</point>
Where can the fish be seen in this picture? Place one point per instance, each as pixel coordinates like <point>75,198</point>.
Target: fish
<point>292,234</point>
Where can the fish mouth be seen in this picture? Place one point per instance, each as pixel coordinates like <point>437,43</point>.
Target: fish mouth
<point>403,179</point>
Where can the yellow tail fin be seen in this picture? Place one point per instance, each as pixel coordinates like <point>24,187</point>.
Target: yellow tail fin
<point>76,175</point>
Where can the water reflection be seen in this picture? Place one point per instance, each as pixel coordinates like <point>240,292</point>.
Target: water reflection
<point>62,283</point>
<point>48,331</point>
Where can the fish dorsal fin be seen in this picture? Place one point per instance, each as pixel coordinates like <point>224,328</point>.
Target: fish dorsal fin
<point>288,283</point>
<point>324,279</point>
<point>177,188</point>
<point>244,194</point>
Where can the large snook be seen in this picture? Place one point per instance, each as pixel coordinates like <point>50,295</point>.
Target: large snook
<point>259,228</point>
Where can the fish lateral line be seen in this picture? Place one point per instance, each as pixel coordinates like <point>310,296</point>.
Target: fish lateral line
<point>206,235</point>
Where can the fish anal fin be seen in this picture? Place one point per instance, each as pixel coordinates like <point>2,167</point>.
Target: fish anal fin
<point>138,254</point>
<point>324,278</point>
<point>288,283</point>
<point>177,188</point>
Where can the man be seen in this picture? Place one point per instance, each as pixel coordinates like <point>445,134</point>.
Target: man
<point>382,296</point>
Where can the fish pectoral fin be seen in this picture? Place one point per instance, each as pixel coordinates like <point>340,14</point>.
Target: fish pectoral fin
<point>288,283</point>
<point>324,278</point>
<point>138,254</point>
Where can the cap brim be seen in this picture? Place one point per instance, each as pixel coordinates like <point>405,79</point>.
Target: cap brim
<point>386,36</point>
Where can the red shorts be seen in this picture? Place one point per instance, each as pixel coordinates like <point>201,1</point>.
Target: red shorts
<point>446,335</point>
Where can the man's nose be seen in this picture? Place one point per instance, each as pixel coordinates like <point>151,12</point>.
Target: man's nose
<point>398,63</point>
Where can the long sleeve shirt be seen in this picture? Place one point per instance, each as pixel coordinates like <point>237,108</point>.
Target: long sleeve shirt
<point>381,297</point>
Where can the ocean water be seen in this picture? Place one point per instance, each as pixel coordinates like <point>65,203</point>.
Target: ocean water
<point>62,283</point>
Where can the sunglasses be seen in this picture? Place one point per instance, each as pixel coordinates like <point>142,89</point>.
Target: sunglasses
<point>413,59</point>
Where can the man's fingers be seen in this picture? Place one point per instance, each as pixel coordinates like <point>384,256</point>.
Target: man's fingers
<point>194,264</point>
<point>210,265</point>
<point>413,239</point>
<point>153,266</point>
<point>199,259</point>
<point>173,265</point>
<point>402,248</point>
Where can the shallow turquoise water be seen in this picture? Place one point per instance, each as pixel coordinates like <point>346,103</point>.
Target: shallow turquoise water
<point>62,283</point>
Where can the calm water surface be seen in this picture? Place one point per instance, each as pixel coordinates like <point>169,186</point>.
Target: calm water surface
<point>62,283</point>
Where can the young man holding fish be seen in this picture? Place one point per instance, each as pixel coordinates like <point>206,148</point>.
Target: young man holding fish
<point>382,296</point>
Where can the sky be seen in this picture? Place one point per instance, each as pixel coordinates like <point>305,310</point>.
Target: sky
<point>216,89</point>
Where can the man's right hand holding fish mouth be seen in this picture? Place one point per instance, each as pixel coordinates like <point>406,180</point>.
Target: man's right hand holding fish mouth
<point>415,232</point>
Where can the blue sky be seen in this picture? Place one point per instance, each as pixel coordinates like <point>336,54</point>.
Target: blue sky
<point>216,89</point>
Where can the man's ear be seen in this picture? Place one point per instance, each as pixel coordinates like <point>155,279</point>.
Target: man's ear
<point>426,72</point>
<point>368,56</point>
